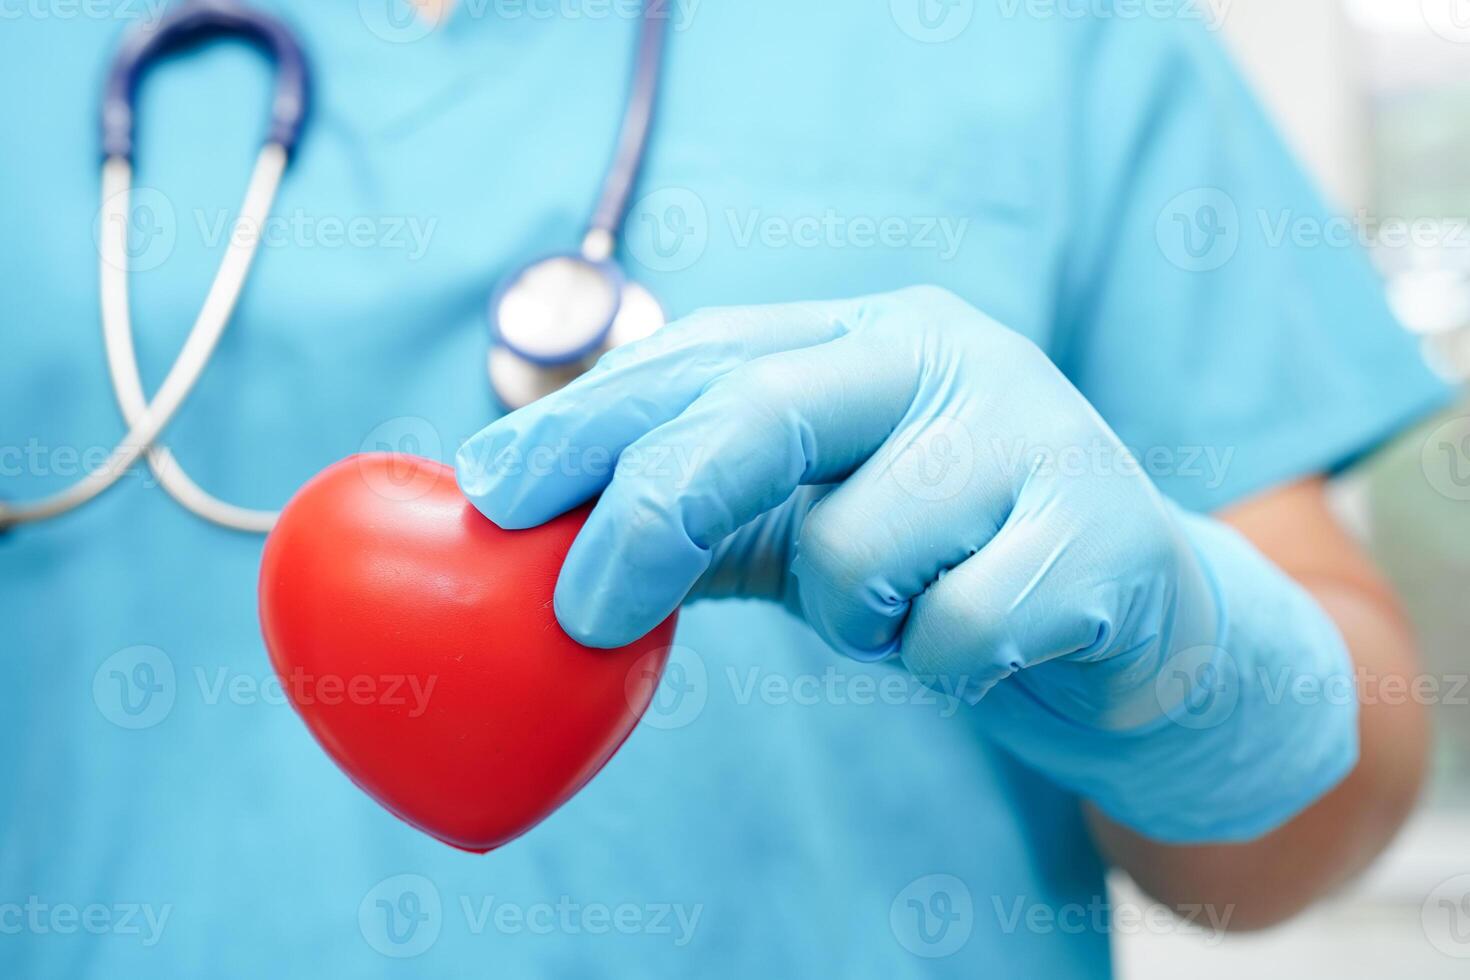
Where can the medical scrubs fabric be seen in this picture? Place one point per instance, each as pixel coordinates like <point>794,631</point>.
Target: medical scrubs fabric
<point>1103,184</point>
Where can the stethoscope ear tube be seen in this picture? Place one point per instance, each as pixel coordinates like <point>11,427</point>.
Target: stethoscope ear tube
<point>146,421</point>
<point>528,357</point>
<point>214,316</point>
<point>196,21</point>
<point>622,172</point>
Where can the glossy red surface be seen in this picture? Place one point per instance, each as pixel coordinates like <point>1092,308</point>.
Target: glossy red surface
<point>417,641</point>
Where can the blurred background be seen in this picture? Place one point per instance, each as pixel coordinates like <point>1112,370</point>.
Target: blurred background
<point>1374,96</point>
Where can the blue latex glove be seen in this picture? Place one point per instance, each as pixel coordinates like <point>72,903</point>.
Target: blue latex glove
<point>916,480</point>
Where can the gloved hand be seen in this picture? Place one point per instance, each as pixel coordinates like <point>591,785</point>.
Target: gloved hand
<point>918,481</point>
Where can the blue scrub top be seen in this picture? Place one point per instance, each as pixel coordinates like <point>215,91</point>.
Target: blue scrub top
<point>1102,183</point>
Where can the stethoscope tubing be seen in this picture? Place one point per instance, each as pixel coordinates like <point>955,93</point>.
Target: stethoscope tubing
<point>214,317</point>
<point>600,239</point>
<point>627,161</point>
<point>191,22</point>
<point>196,20</point>
<point>147,420</point>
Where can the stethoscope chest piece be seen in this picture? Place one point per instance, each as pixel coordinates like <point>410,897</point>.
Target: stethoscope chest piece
<point>554,319</point>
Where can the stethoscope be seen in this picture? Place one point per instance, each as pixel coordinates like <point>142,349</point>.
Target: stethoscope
<point>549,320</point>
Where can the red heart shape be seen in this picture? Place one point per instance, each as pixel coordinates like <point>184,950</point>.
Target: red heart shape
<point>417,641</point>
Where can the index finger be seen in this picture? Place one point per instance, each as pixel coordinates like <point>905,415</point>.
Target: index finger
<point>543,460</point>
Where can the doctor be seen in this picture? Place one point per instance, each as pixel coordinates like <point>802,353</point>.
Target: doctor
<point>999,434</point>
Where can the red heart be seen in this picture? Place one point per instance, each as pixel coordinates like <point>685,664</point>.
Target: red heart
<point>417,641</point>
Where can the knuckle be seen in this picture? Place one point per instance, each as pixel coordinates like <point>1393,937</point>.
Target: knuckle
<point>644,510</point>
<point>764,376</point>
<point>1020,354</point>
<point>953,627</point>
<point>933,297</point>
<point>835,554</point>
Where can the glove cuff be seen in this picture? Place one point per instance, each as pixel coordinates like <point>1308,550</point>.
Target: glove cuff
<point>1248,730</point>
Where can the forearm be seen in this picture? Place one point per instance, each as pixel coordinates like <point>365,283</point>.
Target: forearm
<point>1269,879</point>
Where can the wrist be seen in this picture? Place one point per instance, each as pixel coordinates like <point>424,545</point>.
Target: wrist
<point>1254,715</point>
